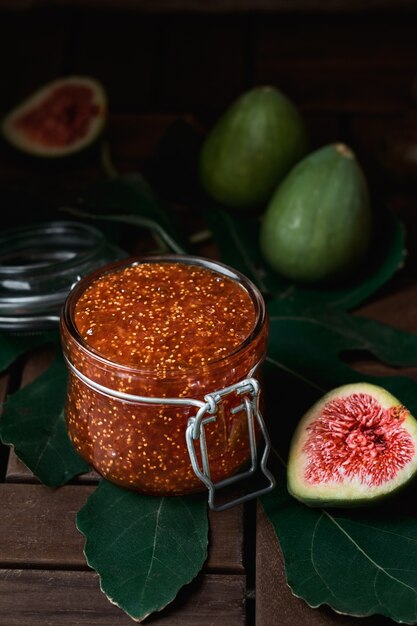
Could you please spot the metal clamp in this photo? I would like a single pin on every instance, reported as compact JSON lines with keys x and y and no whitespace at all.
{"x":249,"y":388}
{"x":207,"y":410}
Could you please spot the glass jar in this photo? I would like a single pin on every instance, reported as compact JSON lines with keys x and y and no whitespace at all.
{"x":39,"y":263}
{"x":131,"y":423}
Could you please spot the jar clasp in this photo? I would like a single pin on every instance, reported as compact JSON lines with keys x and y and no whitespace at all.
{"x":248,"y":389}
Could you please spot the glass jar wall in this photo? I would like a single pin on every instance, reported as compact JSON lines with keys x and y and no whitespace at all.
{"x":170,"y":327}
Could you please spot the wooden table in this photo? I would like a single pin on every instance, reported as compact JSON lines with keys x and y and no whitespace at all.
{"x":44,"y":580}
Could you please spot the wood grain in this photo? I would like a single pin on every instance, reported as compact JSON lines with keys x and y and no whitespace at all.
{"x":37,"y":529}
{"x":37,"y":526}
{"x":226,"y":541}
{"x":222,"y":6}
{"x":17,"y":472}
{"x":200,"y":56}
{"x":72,"y":598}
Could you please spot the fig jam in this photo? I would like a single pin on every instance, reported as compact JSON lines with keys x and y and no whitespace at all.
{"x":159,"y":327}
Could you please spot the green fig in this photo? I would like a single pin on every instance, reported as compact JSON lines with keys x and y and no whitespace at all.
{"x":356,"y":445}
{"x":318,"y":224}
{"x":251,"y":147}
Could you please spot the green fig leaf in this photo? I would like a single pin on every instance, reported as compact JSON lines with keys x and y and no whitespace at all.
{"x":33,"y":422}
{"x":295,"y":337}
{"x":237,"y":237}
{"x":359,"y":563}
{"x":144,"y":548}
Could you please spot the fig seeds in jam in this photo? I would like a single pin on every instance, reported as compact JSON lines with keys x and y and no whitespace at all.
{"x":163,"y":327}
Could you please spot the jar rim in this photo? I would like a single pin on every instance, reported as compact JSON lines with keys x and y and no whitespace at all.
{"x":67,"y":317}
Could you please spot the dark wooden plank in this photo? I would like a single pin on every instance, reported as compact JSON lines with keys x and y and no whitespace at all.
{"x":17,"y":472}
{"x":345,"y":90}
{"x":37,"y":529}
{"x":323,"y":128}
{"x":120,"y":52}
{"x":202,"y":64}
{"x":369,"y":134}
{"x":225,"y":6}
{"x":316,"y":63}
{"x":326,"y":42}
{"x":37,"y":526}
{"x":32,"y":48}
{"x":46,"y":598}
{"x":226,"y":541}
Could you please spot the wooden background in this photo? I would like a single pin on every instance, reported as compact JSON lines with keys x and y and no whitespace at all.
{"x":181,"y":61}
{"x":351,"y":67}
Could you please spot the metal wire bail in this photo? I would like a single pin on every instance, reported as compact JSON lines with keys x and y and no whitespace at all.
{"x":206,"y":413}
{"x":249,"y":389}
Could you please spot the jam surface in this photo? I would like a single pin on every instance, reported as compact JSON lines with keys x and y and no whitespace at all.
{"x":164,"y":316}
{"x":166,"y":330}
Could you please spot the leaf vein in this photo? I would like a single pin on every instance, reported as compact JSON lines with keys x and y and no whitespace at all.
{"x":153,"y":558}
{"x":313,"y":537}
{"x":362,"y":551}
{"x":199,"y":537}
{"x":381,"y":530}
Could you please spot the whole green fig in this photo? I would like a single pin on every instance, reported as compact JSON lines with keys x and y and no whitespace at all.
{"x":318,"y":224}
{"x":251,"y":147}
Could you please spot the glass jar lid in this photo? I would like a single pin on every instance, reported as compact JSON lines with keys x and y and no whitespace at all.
{"x":40,"y":263}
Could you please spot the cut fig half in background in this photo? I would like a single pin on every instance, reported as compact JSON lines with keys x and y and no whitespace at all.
{"x":61,"y":118}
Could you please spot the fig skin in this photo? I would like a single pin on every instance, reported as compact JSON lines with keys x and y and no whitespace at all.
{"x":348,"y":492}
{"x":251,"y":148}
{"x":318,"y":224}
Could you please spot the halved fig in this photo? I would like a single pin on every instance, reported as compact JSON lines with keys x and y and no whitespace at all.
{"x":59,"y":119}
{"x":354,"y":446}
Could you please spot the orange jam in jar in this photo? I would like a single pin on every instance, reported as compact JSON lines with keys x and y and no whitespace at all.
{"x":160,"y":328}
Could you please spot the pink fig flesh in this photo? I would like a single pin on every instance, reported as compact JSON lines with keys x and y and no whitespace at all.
{"x":354,"y":446}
